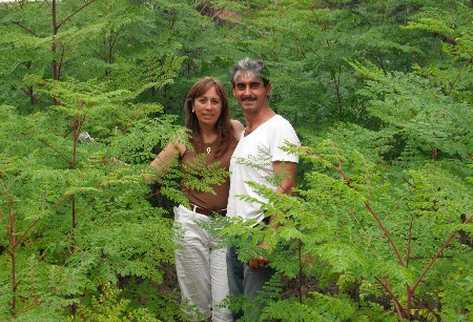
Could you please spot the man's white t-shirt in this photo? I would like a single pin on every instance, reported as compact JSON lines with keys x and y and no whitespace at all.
{"x":252,"y":162}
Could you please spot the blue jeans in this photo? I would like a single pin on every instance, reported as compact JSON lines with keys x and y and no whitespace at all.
{"x":243,"y":280}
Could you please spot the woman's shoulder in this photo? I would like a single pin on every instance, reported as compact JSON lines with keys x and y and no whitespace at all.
{"x":237,"y":128}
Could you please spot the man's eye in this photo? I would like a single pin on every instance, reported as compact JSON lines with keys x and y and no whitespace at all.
{"x":255,"y":85}
{"x":241,"y":86}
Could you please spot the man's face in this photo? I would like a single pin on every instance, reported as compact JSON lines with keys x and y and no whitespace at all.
{"x":250,"y":92}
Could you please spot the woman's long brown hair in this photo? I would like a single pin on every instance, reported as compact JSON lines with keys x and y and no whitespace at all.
{"x":223,"y":126}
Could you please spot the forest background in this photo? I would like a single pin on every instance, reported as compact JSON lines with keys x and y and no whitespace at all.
{"x":381,"y":93}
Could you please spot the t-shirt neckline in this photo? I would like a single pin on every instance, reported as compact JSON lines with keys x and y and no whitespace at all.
{"x":258,"y":127}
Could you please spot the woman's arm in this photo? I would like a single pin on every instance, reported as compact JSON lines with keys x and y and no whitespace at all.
{"x":166,"y":158}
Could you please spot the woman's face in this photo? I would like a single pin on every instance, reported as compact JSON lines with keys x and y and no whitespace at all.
{"x":208,"y":108}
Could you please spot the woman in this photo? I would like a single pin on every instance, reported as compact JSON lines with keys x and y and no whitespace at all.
{"x":200,"y":263}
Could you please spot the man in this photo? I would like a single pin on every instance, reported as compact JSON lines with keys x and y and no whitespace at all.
{"x":265,"y":134}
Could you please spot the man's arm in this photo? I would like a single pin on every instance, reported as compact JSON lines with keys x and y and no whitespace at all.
{"x":286,"y":174}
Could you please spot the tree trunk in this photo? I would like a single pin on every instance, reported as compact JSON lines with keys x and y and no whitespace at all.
{"x":435,"y":154}
{"x":54,"y":43}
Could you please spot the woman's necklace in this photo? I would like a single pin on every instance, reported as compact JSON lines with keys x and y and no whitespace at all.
{"x":208,"y":146}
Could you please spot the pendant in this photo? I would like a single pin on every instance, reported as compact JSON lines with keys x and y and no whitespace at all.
{"x":209,"y":149}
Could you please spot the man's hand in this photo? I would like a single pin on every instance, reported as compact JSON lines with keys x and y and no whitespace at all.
{"x":259,"y":261}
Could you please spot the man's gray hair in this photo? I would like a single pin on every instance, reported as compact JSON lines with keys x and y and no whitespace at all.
{"x":254,"y":66}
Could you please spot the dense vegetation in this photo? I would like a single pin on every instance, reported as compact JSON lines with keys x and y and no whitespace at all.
{"x":381,"y":93}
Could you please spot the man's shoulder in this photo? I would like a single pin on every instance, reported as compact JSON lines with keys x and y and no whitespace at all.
{"x":278,"y":119}
{"x":280,"y":123}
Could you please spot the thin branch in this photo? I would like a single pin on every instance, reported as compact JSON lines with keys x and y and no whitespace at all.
{"x":410,"y":184}
{"x":54,"y":42}
{"x":417,"y":258}
{"x":116,"y":36}
{"x":352,"y":214}
{"x":61,"y":62}
{"x":54,"y":19}
{"x":23,"y":236}
{"x":53,"y":148}
{"x":27,"y":308}
{"x":447,"y":39}
{"x":300,"y":279}
{"x":27,"y":91}
{"x":397,"y":304}
{"x":376,"y":217}
{"x":336,"y":83}
{"x":342,"y":173}
{"x":75,"y":12}
{"x":385,"y":232}
{"x":429,"y":307}
{"x":29,"y":30}
{"x":11,"y":230}
{"x":409,"y":241}
{"x":437,"y":255}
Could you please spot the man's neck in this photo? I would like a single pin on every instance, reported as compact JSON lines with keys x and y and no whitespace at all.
{"x":253,"y":120}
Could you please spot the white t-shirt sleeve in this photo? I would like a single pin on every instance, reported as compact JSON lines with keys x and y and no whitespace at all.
{"x":283,"y":135}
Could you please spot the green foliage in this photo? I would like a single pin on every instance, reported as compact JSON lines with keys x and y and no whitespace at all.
{"x":422,"y":113}
{"x":78,"y":203}
{"x":108,"y":307}
{"x":200,"y":176}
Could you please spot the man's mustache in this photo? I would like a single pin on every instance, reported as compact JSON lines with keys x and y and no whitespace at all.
{"x":248,"y":98}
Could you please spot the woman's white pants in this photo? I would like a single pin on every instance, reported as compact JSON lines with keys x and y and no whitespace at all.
{"x":201,"y":266}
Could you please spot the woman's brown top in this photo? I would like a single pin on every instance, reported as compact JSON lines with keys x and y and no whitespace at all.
{"x":209,"y":200}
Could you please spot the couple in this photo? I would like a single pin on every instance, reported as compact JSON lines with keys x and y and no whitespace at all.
{"x":207,"y":273}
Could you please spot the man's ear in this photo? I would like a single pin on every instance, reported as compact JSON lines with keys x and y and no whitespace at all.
{"x":269,"y":89}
